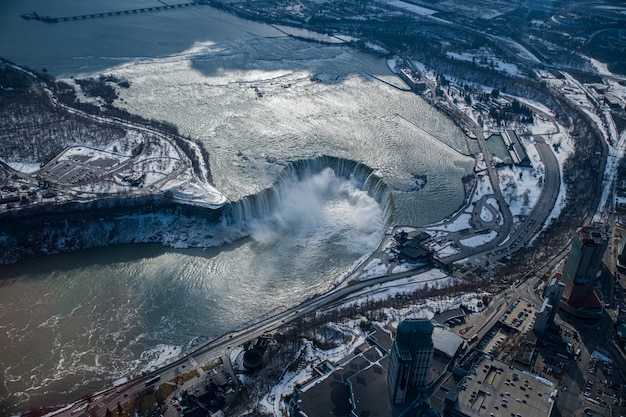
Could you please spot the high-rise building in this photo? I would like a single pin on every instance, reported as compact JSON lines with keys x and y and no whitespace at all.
{"x":582,"y":267}
{"x":552,"y":298}
{"x":621,"y":250}
{"x":410,"y":360}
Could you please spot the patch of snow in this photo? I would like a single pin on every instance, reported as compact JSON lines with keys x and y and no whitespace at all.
{"x":460,"y":223}
{"x":446,"y":250}
{"x":421,"y":67}
{"x":422,"y":11}
{"x":485,"y":58}
{"x":486,"y":215}
{"x":25,"y":167}
{"x":402,"y":268}
{"x":394,"y":63}
{"x":599,"y":66}
{"x":376,"y":268}
{"x":376,"y":48}
{"x":520,"y":188}
{"x":479,"y":240}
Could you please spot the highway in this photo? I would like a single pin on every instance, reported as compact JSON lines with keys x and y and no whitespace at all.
{"x":532,"y":224}
{"x":542,"y":208}
{"x":217,"y":348}
{"x":506,"y":243}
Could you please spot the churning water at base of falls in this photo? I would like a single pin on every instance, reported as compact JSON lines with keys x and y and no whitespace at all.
{"x":73,"y":322}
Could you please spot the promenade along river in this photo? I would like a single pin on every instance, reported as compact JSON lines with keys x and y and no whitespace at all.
{"x":256,"y":98}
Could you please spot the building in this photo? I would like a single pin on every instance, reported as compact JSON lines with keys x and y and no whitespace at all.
{"x":621,"y":333}
{"x":446,"y":343}
{"x":411,"y":357}
{"x":552,"y":297}
{"x":494,"y":388}
{"x":352,"y":387}
{"x":516,"y":148}
{"x":413,"y":251}
{"x":621,"y":248}
{"x":582,"y":267}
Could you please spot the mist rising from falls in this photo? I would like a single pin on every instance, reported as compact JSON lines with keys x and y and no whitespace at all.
{"x":323,"y":206}
{"x":317,"y":202}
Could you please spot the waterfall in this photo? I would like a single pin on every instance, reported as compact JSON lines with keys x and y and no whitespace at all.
{"x":240,"y":213}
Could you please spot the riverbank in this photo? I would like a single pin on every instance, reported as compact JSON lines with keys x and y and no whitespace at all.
{"x":50,"y":229}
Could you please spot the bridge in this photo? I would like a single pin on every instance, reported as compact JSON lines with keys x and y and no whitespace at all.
{"x":50,"y":19}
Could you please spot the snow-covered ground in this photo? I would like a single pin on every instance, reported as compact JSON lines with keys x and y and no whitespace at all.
{"x":521,"y":187}
{"x":484,"y":57}
{"x":589,"y":99}
{"x":88,"y":172}
{"x":305,"y":377}
{"x":479,"y":240}
{"x":375,"y":268}
{"x":419,"y":10}
{"x":142,"y":161}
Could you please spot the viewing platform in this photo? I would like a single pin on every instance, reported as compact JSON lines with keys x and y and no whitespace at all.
{"x":50,"y":19}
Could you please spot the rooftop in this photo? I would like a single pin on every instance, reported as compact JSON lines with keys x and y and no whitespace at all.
{"x":370,"y":392}
{"x":443,"y":316}
{"x":589,"y":235}
{"x":358,"y":384}
{"x":329,"y":396}
{"x":497,"y":388}
{"x":446,"y":342}
{"x":381,"y":338}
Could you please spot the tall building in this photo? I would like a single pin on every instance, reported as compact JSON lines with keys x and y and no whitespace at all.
{"x":410,"y":360}
{"x":582,"y":267}
{"x":621,"y":248}
{"x":551,"y":299}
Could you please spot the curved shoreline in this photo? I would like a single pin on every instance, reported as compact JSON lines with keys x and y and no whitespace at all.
{"x":165,"y":215}
{"x":50,"y":229}
{"x":73,"y":226}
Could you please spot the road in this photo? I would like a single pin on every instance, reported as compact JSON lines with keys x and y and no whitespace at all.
{"x":217,"y":348}
{"x":200,"y":172}
{"x":542,"y":208}
{"x":532,"y":224}
{"x":494,"y":250}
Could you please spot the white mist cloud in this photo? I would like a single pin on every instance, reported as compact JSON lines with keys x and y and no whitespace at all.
{"x":322,"y":209}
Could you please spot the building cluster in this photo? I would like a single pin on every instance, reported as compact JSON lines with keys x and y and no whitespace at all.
{"x":508,"y":147}
{"x":429,"y":370}
{"x":418,"y":373}
{"x":515,"y":147}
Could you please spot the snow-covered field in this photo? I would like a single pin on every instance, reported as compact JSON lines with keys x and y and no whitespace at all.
{"x":484,"y":57}
{"x":413,"y":8}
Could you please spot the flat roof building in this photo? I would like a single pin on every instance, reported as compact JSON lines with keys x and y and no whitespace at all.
{"x":492,"y":388}
{"x":446,"y":343}
{"x":552,"y":297}
{"x":516,"y":148}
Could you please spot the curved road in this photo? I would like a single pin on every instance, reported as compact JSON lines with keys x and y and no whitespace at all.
{"x":219,"y":347}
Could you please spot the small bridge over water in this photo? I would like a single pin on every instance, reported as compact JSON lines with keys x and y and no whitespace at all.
{"x":50,"y":19}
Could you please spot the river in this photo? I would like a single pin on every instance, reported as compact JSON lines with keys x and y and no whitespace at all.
{"x":257,"y":99}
